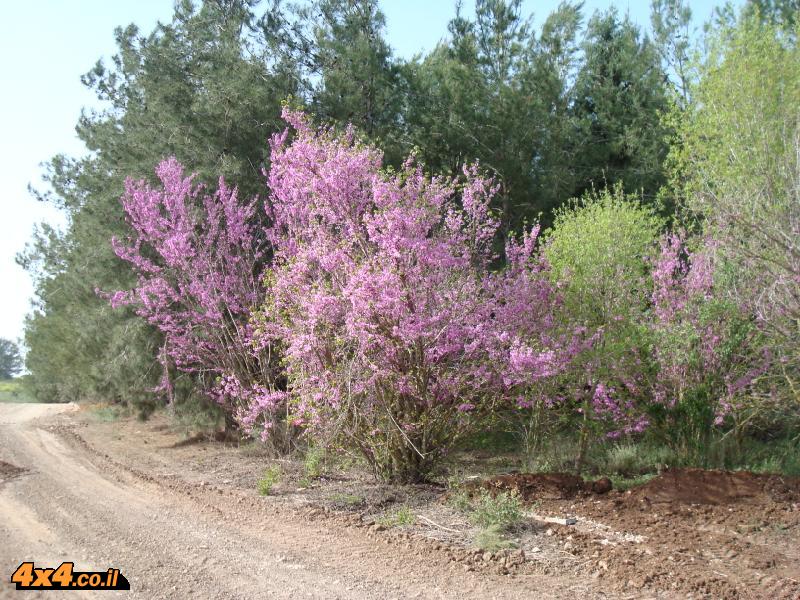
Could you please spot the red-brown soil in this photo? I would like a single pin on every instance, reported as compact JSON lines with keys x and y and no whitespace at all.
{"x":531,"y":487}
{"x":697,"y":486}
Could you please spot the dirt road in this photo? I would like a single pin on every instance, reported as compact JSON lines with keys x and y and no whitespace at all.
{"x":71,"y":501}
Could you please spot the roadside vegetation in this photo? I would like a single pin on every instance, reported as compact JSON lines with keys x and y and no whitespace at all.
{"x":572,"y":249}
{"x":14,"y":390}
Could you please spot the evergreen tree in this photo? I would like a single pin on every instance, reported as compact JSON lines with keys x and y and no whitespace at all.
{"x":347,"y":73}
{"x":10,"y":361}
{"x":619,"y":97}
{"x":202,"y":88}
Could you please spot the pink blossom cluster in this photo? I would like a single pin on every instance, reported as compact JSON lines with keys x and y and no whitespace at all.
{"x":383,"y":295}
{"x":695,"y":331}
{"x":197,"y":261}
{"x":371,"y":306}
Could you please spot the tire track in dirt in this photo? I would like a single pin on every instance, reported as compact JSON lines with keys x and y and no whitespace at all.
{"x":174,"y":540}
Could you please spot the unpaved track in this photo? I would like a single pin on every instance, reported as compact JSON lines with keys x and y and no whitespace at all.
{"x":73,"y":503}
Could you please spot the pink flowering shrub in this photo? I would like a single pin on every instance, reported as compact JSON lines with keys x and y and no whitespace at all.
{"x":397,"y":335}
{"x":198,"y":259}
{"x":708,"y":354}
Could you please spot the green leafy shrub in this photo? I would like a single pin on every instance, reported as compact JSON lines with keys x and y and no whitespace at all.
{"x":272,"y":475}
{"x":313,"y":462}
{"x":501,"y":510}
{"x":598,"y":251}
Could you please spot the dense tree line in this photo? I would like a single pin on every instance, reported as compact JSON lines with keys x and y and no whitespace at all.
{"x":588,"y":106}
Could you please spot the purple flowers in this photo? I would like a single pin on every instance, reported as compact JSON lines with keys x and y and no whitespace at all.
{"x":393,"y":325}
{"x":196,"y":255}
{"x":380,"y":318}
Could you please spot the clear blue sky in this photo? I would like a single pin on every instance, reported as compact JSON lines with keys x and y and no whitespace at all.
{"x":45,"y":47}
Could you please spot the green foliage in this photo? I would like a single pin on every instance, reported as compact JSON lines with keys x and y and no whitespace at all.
{"x":735,"y":167}
{"x":314,"y":462}
{"x":13,"y":390}
{"x":620,"y":93}
{"x":272,"y":475}
{"x":599,"y":250}
{"x":403,"y":516}
{"x":491,"y":539}
{"x":670,"y":21}
{"x":345,"y":65}
{"x":501,"y":510}
{"x":199,"y":88}
{"x":10,"y":361}
{"x":551,"y":114}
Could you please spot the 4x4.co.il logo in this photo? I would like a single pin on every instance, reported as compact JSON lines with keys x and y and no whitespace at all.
{"x":28,"y":577}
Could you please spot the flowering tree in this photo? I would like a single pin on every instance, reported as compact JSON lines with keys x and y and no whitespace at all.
{"x":708,"y":353}
{"x":396,"y":334}
{"x":738,"y":162}
{"x":199,"y":262}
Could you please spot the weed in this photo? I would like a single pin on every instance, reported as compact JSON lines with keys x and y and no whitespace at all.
{"x":630,"y":460}
{"x":313,"y":463}
{"x":106,"y":412}
{"x":557,"y":455}
{"x":625,"y":483}
{"x":502,"y":510}
{"x":253,"y":449}
{"x":492,"y":539}
{"x":271,"y":476}
{"x":347,"y":499}
{"x":458,"y":498}
{"x":402,"y":516}
{"x":460,"y":501}
{"x":623,"y":459}
{"x":195,"y":416}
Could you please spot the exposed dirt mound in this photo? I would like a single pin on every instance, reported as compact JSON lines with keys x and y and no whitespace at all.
{"x":697,"y":486}
{"x":550,"y":486}
{"x":9,"y":471}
